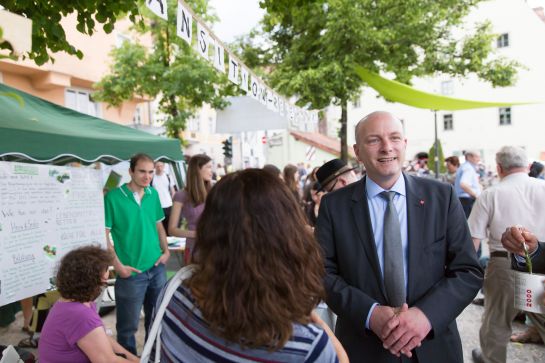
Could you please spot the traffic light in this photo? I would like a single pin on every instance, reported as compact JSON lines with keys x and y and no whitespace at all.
{"x":228,"y":148}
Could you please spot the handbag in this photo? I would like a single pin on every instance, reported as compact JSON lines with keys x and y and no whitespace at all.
{"x":154,"y":336}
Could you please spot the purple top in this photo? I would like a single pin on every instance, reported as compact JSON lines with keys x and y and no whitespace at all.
{"x":190,"y":212}
{"x":66,"y":324}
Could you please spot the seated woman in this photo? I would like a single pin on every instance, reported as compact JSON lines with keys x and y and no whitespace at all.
{"x":73,"y":331}
{"x":257,"y":278}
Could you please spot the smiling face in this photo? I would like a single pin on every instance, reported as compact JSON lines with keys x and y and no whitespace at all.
{"x":380,"y":146}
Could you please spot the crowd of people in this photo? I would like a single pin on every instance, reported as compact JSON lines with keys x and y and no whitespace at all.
{"x":390,"y":250}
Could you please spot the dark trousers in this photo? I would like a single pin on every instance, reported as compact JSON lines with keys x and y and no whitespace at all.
{"x":467,"y":205}
{"x":167,"y":217}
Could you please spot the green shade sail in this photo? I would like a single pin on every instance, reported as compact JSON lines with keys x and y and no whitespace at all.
{"x":398,"y":92}
{"x":41,"y":131}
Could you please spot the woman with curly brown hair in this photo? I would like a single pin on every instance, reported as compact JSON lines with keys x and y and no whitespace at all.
{"x":257,"y":278}
{"x":73,"y":331}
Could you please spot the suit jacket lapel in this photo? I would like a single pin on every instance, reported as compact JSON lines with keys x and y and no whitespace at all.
{"x":416,"y":219}
{"x":362,"y":220}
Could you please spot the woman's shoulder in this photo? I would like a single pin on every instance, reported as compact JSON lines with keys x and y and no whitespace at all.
{"x":181,"y":196}
{"x":314,"y":340}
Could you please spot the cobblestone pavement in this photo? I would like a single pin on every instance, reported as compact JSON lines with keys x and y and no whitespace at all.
{"x":469,"y":323}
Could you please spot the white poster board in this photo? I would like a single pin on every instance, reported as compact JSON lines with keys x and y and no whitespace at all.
{"x":45,"y":211}
{"x":529,"y":292}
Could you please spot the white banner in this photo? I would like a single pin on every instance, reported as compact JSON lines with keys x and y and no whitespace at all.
{"x":281,"y":106}
{"x":263,"y":94}
{"x":254,"y":88}
{"x":45,"y":211}
{"x":219,"y":57}
{"x":270,"y":99}
{"x":233,"y":70}
{"x":203,"y":41}
{"x":244,"y":79}
{"x":158,"y":7}
{"x":184,"y":27}
{"x":258,"y":89}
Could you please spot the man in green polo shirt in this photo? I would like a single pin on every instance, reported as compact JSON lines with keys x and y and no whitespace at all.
{"x":133,"y":216}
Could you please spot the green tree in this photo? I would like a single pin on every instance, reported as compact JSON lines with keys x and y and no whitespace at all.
{"x":314,"y":46}
{"x":171,"y":71}
{"x":431,"y":158}
{"x":47,"y":32}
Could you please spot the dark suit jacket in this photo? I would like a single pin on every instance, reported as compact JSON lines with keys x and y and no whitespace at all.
{"x":444,"y":274}
{"x":538,"y":261}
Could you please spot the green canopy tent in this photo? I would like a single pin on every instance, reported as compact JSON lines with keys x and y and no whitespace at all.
{"x":398,"y":92}
{"x":35,"y":130}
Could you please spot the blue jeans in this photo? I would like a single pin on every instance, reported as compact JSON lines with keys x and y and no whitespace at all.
{"x":130,"y":294}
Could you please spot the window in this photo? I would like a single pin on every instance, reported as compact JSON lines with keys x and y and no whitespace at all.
{"x":137,"y":118}
{"x":503,"y":40}
{"x":81,"y":101}
{"x":448,"y":122}
{"x":211,"y":128}
{"x":505,"y":116}
{"x":194,"y":125}
{"x":447,"y":88}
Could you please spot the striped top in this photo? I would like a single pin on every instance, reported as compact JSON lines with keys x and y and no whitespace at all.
{"x":186,"y":337}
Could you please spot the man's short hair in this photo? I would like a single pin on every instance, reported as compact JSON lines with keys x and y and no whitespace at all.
{"x":510,"y":157}
{"x":472,"y":152}
{"x":422,"y":155}
{"x":136,"y":158}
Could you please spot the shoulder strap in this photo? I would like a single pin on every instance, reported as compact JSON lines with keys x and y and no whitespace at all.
{"x":154,"y":335}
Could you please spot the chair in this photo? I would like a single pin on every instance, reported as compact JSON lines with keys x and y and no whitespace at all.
{"x":154,"y":336}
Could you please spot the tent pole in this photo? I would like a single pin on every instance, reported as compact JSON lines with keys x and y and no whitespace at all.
{"x":436,"y":146}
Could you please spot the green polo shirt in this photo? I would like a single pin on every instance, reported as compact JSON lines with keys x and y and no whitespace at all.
{"x":133,"y":226}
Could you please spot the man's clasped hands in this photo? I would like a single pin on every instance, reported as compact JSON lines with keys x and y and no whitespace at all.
{"x":400,"y":329}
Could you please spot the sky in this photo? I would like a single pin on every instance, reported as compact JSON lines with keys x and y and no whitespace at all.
{"x":536,"y":3}
{"x":237,"y":17}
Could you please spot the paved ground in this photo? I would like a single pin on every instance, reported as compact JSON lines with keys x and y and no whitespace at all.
{"x":468,"y":323}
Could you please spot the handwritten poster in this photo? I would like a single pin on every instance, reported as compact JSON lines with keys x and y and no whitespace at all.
{"x":45,"y":211}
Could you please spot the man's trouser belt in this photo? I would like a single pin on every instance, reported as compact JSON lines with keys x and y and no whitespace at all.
{"x":499,"y":254}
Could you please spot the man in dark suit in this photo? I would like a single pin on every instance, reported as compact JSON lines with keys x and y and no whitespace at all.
{"x":400,"y":262}
{"x":514,"y":238}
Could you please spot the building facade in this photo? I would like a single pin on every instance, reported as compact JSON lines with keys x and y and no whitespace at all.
{"x":68,"y":81}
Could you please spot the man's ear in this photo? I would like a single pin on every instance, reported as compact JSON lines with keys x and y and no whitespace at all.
{"x":355,"y":147}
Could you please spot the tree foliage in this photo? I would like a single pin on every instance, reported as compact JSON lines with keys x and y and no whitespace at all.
{"x":431,"y":158}
{"x":171,"y":71}
{"x":314,"y":46}
{"x":48,"y":35}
